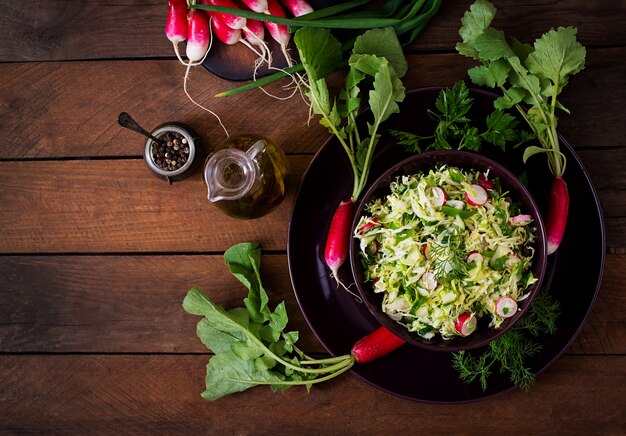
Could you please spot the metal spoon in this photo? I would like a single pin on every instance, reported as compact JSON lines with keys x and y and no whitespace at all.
{"x":127,"y":121}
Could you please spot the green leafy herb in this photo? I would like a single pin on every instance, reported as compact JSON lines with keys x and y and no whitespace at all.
{"x":510,"y":351}
{"x":377,"y":58}
{"x":534,"y":75}
{"x":455,"y":129}
{"x":250,"y":344}
{"x":448,"y":257}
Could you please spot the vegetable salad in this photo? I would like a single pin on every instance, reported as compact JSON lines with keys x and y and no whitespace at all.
{"x":445,"y":244}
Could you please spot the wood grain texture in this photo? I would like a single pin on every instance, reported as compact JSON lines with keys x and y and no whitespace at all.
{"x":70,"y":109}
{"x":132,"y":304}
{"x":161,"y":394}
{"x":118,"y":206}
{"x":62,"y":30}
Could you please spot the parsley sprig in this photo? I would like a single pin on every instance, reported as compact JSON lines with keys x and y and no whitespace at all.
{"x":455,"y":129}
{"x":510,"y":351}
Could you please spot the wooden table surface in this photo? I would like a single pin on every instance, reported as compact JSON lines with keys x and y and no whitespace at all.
{"x":96,"y":254}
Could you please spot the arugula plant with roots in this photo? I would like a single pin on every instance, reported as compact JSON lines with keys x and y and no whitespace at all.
{"x":532,"y":75}
{"x":250,"y":344}
{"x":377,"y":62}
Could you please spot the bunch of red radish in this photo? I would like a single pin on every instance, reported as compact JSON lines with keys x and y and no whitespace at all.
{"x":196,"y":26}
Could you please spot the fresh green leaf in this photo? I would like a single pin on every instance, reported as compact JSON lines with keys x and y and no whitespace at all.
{"x":410,"y":141}
{"x":388,"y":91}
{"x":320,"y":52}
{"x":474,"y":22}
{"x":246,"y":350}
{"x":491,"y":45}
{"x":216,"y":340}
{"x":382,"y":43}
{"x":227,"y":374}
{"x":533,"y":150}
{"x":492,"y":76}
{"x":557,"y":54}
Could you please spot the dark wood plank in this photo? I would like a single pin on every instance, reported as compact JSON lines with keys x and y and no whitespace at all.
{"x":118,"y":206}
{"x":123,"y":304}
{"x":62,"y":30}
{"x":132,"y":304}
{"x":161,"y":394}
{"x":70,"y":108}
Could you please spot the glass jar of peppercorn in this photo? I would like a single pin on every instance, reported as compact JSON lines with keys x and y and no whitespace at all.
{"x":172,"y":157}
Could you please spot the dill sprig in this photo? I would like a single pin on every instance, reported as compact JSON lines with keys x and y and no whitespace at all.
{"x":448,"y":257}
{"x":510,"y":351}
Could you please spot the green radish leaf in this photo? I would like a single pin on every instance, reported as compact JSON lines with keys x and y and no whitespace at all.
{"x":388,"y":91}
{"x":216,"y":340}
{"x":320,"y":52}
{"x":474,"y":22}
{"x":227,"y":374}
{"x":557,"y":54}
{"x":492,"y":45}
{"x":533,"y":150}
{"x":512,"y":97}
{"x":246,"y":350}
{"x":521,"y":49}
{"x":492,"y":76}
{"x":382,"y":43}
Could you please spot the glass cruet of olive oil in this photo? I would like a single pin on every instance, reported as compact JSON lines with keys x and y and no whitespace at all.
{"x":246,"y":176}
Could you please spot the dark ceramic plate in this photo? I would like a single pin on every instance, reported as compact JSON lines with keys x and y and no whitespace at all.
{"x":339,"y":321}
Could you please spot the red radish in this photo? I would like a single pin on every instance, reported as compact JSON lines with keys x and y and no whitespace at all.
{"x":427,"y":250}
{"x":199,"y":37}
{"x":506,"y":307}
{"x":259,"y":6}
{"x":484,"y":182}
{"x":279,"y":32}
{"x":429,"y":281}
{"x":227,"y":35}
{"x":521,"y":219}
{"x":465,"y":324}
{"x":477,"y":196}
{"x":297,"y":7}
{"x":254,"y":32}
{"x":557,"y":214}
{"x":232,"y":21}
{"x":338,"y":239}
{"x":377,"y":344}
{"x":438,"y":196}
{"x":176,"y":24}
{"x":474,"y":256}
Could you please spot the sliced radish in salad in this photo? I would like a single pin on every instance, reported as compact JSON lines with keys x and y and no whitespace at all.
{"x":465,"y":324}
{"x":369,"y":224}
{"x":506,"y":307}
{"x":438,"y":196}
{"x":427,"y":251}
{"x":485,"y":182}
{"x":474,"y":256}
{"x":429,"y":281}
{"x":476,"y":196}
{"x":521,"y":219}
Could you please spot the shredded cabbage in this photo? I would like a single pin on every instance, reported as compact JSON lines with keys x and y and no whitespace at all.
{"x":421,"y":254}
